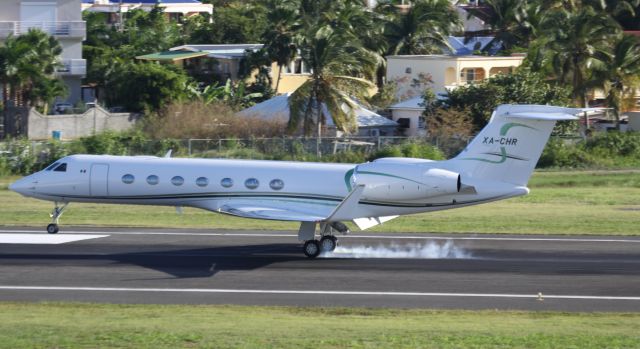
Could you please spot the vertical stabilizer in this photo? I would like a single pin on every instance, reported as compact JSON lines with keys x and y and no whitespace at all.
{"x":509,"y":147}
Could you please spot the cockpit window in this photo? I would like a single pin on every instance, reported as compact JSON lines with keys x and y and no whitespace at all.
{"x":50,"y":167}
{"x":61,"y":168}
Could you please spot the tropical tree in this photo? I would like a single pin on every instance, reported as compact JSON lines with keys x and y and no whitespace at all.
{"x":27,"y":66}
{"x":421,"y":28}
{"x":511,"y":23}
{"x":145,"y":86}
{"x":278,"y":39}
{"x":571,"y":43}
{"x":339,"y":65}
{"x":618,"y":73}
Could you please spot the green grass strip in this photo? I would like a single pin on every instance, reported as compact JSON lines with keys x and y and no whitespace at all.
{"x":77,"y":325}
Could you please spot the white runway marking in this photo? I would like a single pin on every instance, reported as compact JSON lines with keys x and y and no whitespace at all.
{"x":48,"y":239}
{"x":354,"y":236}
{"x":314,"y":292}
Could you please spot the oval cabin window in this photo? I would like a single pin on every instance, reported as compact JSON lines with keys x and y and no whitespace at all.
{"x":153,"y":180}
{"x":128,"y":179}
{"x":226,"y":182}
{"x":202,"y":182}
{"x":276,"y":184}
{"x":177,"y":181}
{"x":251,"y":183}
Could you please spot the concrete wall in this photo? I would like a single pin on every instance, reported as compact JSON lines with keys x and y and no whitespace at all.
{"x":634,"y":120}
{"x":94,"y":120}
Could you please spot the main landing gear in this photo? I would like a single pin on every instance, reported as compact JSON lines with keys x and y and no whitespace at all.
{"x":327,"y":243}
{"x":55,"y":216}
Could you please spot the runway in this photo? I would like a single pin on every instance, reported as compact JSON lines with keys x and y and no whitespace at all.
{"x":132,"y":265}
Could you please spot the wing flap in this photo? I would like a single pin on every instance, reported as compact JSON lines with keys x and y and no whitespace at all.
{"x":266,"y":212}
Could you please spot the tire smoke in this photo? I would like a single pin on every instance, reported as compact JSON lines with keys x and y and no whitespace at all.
{"x":428,"y":250}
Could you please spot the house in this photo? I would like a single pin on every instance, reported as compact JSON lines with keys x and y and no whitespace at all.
{"x":224,"y":62}
{"x":370,"y":124}
{"x":174,"y":9}
{"x":408,"y":115}
{"x":60,"y":18}
{"x":445,"y":71}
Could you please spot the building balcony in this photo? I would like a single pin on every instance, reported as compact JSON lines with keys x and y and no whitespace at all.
{"x":72,"y":67}
{"x":68,"y":29}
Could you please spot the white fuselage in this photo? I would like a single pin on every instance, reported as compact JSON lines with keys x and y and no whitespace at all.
{"x":315,"y":188}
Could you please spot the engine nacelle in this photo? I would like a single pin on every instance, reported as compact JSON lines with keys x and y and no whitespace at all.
{"x":404,"y":181}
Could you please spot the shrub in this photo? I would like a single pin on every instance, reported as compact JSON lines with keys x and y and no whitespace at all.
{"x":410,"y":149}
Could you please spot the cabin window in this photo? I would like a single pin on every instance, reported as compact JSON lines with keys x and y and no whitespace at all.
{"x":128,"y":179}
{"x":177,"y":181}
{"x":226,"y":182}
{"x":202,"y":181}
{"x":276,"y":184}
{"x":153,"y":180}
{"x":251,"y":183}
{"x":61,"y":168}
{"x":50,"y":167}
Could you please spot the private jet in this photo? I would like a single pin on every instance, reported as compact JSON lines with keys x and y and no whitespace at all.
{"x":496,"y":165}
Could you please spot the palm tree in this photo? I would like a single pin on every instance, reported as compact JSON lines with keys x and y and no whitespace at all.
{"x":422,"y":28}
{"x":510,"y":22}
{"x":572,"y":42}
{"x":618,"y":75}
{"x":27,"y":63}
{"x":278,"y":39}
{"x":338,"y":63}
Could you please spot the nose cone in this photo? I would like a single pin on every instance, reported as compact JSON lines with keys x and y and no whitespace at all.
{"x":23,"y":186}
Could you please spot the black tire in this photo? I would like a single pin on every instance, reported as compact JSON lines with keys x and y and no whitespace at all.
{"x":328,"y":243}
{"x":311,"y":248}
{"x":52,"y":228}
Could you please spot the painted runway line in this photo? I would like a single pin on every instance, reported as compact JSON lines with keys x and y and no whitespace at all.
{"x":316,"y":292}
{"x":353,"y":236}
{"x":46,"y":239}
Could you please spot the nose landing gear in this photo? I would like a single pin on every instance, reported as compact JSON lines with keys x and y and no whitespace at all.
{"x":55,"y":216}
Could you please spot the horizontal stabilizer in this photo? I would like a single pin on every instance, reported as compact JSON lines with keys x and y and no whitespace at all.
{"x":542,"y":116}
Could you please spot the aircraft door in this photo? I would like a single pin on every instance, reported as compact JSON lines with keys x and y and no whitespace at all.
{"x":98,"y":183}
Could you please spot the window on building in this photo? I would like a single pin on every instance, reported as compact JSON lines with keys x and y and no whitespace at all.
{"x":472,"y":74}
{"x":297,"y":66}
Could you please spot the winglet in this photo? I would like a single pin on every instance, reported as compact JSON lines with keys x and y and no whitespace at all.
{"x":344,"y":211}
{"x":168,"y":154}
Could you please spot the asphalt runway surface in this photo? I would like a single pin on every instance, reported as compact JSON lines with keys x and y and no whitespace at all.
{"x":183,"y":266}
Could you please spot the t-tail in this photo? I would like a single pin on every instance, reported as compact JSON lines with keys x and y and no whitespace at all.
{"x":508,"y":148}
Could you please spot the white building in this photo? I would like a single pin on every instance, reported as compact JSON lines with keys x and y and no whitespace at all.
{"x":408,"y":115}
{"x":60,"y":18}
{"x":173,"y":8}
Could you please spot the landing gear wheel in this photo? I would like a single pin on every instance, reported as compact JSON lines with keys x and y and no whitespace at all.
{"x":311,"y":248}
{"x":52,"y":228}
{"x":328,"y":243}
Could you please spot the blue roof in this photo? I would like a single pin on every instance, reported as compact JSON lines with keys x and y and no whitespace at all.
{"x":478,"y":43}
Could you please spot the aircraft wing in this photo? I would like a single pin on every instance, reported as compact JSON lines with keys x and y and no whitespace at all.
{"x":283,"y":210}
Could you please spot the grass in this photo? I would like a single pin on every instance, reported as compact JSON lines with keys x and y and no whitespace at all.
{"x":586,"y":202}
{"x":77,"y":325}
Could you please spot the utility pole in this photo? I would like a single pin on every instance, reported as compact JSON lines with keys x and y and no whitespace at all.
{"x":120,"y":21}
